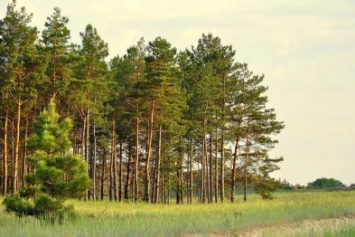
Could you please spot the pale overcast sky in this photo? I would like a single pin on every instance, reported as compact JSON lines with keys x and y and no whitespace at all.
{"x":305,"y":48}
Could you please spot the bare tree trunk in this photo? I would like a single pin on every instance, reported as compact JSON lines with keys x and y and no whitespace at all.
{"x":128,"y":168}
{"x":189,"y":173}
{"x":180,"y":190}
{"x":199,"y":180}
{"x":5,"y":153}
{"x":222,"y":166}
{"x":115,"y":193}
{"x":149,"y":154}
{"x":24,"y":166}
{"x":246,"y":165}
{"x":216,"y":181}
{"x":152,"y":188}
{"x":103,"y":171}
{"x":204,"y":169}
{"x":136,"y":163}
{"x":168,"y":182}
{"x":83,"y":142}
{"x":223,"y":140}
{"x":120,"y":176}
{"x":178,"y":187}
{"x":163,"y":196}
{"x":210,"y":196}
{"x":13,"y":143}
{"x":112,"y":162}
{"x":234,"y":168}
{"x":94,"y":160}
{"x":17,"y":148}
{"x":85,"y":149}
{"x":158,"y":160}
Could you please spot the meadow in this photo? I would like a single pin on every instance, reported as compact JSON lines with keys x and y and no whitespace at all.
{"x":290,"y":209}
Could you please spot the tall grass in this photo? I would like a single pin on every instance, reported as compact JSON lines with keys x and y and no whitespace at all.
{"x":140,"y":219}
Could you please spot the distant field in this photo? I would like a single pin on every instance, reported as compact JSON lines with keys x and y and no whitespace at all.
{"x":286,"y":211}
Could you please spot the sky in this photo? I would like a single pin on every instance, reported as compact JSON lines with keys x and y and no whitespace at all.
{"x":305,"y":49}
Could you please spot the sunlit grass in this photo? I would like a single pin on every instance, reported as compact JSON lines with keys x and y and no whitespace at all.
{"x":344,"y":227}
{"x":105,"y":218}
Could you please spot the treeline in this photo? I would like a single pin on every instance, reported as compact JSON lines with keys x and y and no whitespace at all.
{"x":152,"y":124}
{"x":330,"y":184}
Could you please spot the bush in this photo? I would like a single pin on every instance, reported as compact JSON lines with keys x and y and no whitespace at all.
{"x":324,"y":183}
{"x":265,"y":186}
{"x":52,"y":210}
{"x":16,"y":203}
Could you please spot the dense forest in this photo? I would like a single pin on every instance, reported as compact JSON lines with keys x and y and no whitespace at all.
{"x":151,"y":125}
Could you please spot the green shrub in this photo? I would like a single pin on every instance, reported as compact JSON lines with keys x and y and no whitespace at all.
{"x":16,"y":203}
{"x":56,"y":174}
{"x":326,"y":183}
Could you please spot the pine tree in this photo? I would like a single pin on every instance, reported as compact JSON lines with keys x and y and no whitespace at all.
{"x":89,"y":93}
{"x":21,"y":71}
{"x":55,"y":43}
{"x":207,"y":74}
{"x":55,"y":173}
{"x":127,"y":99}
{"x":252,"y":125}
{"x":163,"y":96}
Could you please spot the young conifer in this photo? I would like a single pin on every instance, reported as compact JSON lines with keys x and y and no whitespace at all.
{"x":55,"y":173}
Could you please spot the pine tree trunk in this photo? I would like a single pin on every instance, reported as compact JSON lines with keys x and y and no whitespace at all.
{"x":103,"y":171}
{"x":5,"y":154}
{"x":112,"y":161}
{"x":17,"y":149}
{"x":178,"y":187}
{"x":75,"y":140}
{"x":87,"y":156}
{"x":216,"y":181}
{"x":136,"y":163}
{"x":120,"y":175}
{"x":168,"y":182}
{"x":83,"y":153}
{"x":115,"y":192}
{"x":204,"y":169}
{"x":199,"y":180}
{"x":210,"y":182}
{"x":223,"y":140}
{"x":234,"y":168}
{"x":128,"y":169}
{"x":149,"y":154}
{"x":246,"y":167}
{"x":94,"y":159}
{"x":222,"y":166}
{"x":157,"y":182}
{"x":83,"y":143}
{"x":180,"y":190}
{"x":189,"y":174}
{"x":24,"y":166}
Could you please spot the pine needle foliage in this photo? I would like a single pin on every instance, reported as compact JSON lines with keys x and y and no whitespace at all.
{"x":55,"y":173}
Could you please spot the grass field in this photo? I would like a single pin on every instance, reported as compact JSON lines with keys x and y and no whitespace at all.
{"x":140,"y":219}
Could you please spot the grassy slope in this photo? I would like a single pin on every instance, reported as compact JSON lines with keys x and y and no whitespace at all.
{"x":129,"y":219}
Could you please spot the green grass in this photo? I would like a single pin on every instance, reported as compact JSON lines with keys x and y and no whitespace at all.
{"x":139,"y":219}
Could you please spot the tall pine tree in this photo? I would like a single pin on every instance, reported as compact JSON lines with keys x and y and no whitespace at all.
{"x":21,"y":73}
